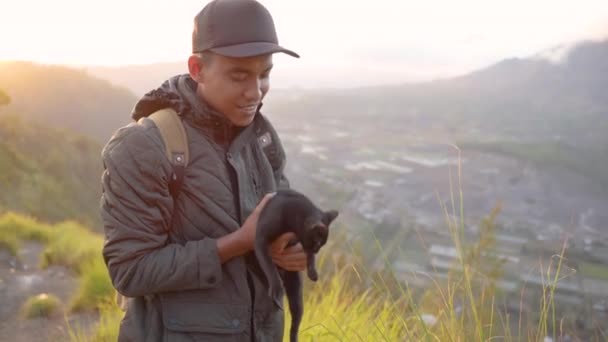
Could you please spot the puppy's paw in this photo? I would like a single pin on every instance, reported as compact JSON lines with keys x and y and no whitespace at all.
{"x":312,"y":274}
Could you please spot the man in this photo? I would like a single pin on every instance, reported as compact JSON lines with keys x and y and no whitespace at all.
{"x":185,"y":261}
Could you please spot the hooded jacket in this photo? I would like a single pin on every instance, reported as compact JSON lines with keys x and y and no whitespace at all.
{"x":161,"y":251}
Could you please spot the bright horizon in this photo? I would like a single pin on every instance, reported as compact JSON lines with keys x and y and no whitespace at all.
{"x":371,"y":42}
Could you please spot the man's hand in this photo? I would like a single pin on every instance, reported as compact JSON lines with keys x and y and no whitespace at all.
{"x":242,"y":240}
{"x":250,"y":226}
{"x":288,"y":258}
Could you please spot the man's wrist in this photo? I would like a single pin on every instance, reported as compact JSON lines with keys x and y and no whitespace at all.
{"x":241,"y":241}
{"x":232,"y":245}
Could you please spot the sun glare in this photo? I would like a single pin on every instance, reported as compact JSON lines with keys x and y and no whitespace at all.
{"x":413,"y":34}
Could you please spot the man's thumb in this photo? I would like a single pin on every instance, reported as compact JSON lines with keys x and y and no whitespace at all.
{"x":286,"y":238}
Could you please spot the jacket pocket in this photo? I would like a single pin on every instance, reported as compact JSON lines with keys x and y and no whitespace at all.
{"x":195,"y":316}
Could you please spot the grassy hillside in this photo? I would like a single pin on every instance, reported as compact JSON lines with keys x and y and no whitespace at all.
{"x":66,"y":98}
{"x":72,"y":246}
{"x":350,"y":301}
{"x":49,"y":173}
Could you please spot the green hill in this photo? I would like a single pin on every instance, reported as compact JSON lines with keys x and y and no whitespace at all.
{"x":363,"y":303}
{"x":49,"y":173}
{"x":66,"y":98}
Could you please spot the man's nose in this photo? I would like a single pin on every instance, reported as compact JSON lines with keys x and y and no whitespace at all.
{"x":253,"y":92}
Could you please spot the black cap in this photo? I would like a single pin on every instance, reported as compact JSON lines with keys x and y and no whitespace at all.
{"x":236,"y":28}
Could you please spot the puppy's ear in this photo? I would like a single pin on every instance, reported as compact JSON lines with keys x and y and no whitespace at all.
{"x":329,"y":216}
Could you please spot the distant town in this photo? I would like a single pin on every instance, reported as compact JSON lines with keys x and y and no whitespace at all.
{"x":400,"y":189}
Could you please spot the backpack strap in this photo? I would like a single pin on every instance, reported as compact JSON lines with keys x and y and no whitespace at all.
{"x":174,"y":136}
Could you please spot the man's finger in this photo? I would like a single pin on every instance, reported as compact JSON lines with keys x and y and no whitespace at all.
{"x":297,"y":248}
{"x":291,"y":265}
{"x":285,"y":238}
{"x":279,"y":244}
{"x":290,"y":257}
{"x":268,"y":196}
{"x":283,"y":242}
{"x":264,"y":200}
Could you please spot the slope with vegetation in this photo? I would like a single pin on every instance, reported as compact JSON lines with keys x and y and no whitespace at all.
{"x":66,"y":98}
{"x":49,"y":173}
{"x":68,"y":245}
{"x":350,"y":301}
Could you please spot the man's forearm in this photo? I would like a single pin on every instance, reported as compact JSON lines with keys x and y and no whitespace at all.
{"x":232,"y":245}
{"x":242,"y":240}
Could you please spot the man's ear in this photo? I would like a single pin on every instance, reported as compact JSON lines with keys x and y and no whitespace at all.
{"x":329,"y":216}
{"x":195,"y":68}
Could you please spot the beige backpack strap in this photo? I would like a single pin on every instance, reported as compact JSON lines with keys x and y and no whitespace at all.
{"x":176,"y":144}
{"x":174,"y":135}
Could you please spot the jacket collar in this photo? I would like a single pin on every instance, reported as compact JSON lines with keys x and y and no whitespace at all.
{"x":179,"y":93}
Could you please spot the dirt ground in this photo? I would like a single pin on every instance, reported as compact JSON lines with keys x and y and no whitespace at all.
{"x":21,"y":278}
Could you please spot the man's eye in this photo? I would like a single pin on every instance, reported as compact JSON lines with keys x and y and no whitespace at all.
{"x":265,"y":75}
{"x":238,"y":77}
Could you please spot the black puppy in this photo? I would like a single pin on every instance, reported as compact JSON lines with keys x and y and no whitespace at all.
{"x":291,"y":211}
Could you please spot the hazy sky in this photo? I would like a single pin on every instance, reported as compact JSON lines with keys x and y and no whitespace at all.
{"x":343,"y":41}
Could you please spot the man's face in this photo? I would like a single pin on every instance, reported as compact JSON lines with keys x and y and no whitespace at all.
{"x":234,"y":86}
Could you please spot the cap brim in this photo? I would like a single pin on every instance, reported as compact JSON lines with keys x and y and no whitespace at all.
{"x":252,"y":49}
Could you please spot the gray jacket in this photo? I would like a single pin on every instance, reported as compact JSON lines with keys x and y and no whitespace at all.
{"x":164,"y":254}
